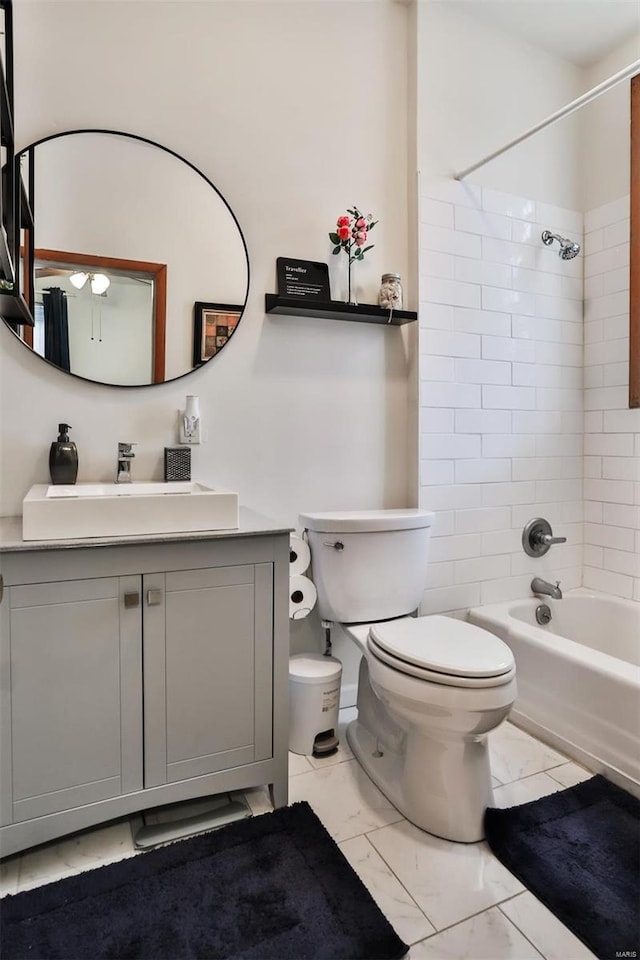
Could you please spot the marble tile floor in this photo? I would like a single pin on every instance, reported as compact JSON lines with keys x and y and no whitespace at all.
{"x":449,"y":901}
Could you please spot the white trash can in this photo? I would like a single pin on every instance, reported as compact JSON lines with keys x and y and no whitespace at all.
{"x":314,"y":702}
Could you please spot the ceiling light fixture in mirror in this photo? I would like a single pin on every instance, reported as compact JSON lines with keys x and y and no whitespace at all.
{"x":120,"y":208}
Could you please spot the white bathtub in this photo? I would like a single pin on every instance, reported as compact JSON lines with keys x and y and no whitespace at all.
{"x":578,"y":677}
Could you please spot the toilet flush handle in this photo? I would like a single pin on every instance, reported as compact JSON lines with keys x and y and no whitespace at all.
{"x":336,"y":544}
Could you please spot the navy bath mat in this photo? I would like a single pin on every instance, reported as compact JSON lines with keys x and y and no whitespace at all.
{"x":274,"y":887}
{"x":578,"y":851}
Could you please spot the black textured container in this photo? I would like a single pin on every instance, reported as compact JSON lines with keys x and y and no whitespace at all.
{"x":177,"y":463}
{"x":63,"y":457}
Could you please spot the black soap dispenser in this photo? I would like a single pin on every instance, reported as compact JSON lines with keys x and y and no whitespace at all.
{"x":63,"y":457}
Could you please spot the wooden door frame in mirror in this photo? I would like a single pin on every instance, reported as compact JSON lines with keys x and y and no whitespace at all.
{"x":156,"y":271}
{"x":634,"y":249}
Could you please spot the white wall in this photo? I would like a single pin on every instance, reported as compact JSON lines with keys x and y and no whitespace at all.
{"x":479,"y":88}
{"x":605,"y":126}
{"x":274,"y":104}
{"x":295,"y":111}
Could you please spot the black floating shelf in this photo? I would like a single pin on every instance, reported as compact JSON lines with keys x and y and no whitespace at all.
{"x":336,"y":310}
{"x":15,"y":309}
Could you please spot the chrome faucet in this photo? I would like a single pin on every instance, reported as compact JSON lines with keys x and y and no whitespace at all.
{"x":125,"y":456}
{"x":538,"y":585}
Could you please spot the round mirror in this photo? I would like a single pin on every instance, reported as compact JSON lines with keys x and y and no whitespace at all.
{"x":137,"y":272}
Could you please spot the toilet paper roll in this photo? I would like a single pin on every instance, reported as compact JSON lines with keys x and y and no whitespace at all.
{"x":302,"y":597}
{"x":299,"y":555}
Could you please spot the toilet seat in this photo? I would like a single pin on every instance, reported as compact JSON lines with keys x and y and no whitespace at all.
{"x":442,"y":650}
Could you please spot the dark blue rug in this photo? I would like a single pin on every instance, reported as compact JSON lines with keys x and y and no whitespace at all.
{"x":578,"y":851}
{"x":274,"y":887}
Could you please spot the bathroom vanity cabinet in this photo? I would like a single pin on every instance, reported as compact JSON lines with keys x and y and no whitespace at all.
{"x":139,"y":673}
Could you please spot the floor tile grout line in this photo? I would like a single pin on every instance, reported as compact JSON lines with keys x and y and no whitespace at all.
{"x":528,"y":776}
{"x":537,"y":773}
{"x":519,"y":928}
{"x":498,"y":903}
{"x":463,"y":919}
{"x":556,"y":765}
{"x":575,"y":763}
{"x":590,"y":773}
{"x":478,"y":913}
{"x":366,"y":833}
{"x":395,"y":875}
{"x":333,"y":763}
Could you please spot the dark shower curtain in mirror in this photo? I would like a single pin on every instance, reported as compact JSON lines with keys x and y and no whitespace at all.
{"x":56,"y":327}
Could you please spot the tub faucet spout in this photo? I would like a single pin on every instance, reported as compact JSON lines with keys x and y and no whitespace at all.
{"x":538,"y":585}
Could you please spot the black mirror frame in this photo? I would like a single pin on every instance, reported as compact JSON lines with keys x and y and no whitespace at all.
{"x":30,"y":280}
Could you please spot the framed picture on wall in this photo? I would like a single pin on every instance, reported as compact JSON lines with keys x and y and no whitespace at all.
{"x":213,"y":324}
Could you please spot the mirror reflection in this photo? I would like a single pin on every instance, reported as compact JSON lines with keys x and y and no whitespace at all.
{"x":108,"y":314}
{"x":129,"y":239}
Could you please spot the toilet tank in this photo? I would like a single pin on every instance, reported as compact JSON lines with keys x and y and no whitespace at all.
{"x":368,"y":565}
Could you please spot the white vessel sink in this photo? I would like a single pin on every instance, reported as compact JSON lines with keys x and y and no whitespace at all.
{"x":69,"y":512}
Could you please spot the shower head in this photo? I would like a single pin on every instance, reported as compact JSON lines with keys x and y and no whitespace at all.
{"x":568,"y":248}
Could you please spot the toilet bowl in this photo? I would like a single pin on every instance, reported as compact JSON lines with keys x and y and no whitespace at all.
{"x":423,"y":738}
{"x":430,"y":689}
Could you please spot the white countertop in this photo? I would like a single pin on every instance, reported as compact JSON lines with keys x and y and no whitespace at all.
{"x":251,"y":524}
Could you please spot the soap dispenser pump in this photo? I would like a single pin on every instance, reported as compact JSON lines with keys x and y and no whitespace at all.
{"x":63,"y":457}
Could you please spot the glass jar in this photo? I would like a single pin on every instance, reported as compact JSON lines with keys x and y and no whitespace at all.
{"x":390,"y":296}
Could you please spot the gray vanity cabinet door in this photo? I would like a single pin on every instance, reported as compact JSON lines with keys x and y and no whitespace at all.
{"x":74,"y":698}
{"x":208,"y":659}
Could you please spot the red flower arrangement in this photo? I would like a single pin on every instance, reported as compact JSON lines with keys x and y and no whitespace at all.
{"x":351,"y":235}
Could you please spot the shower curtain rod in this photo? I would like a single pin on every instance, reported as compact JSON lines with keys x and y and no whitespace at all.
{"x":587,"y":97}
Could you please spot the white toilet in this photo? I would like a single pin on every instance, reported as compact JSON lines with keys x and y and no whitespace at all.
{"x":430,"y":688}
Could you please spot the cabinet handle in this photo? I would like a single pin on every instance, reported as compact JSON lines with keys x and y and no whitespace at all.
{"x":131,"y":600}
{"x":1,"y":587}
{"x":154,"y":597}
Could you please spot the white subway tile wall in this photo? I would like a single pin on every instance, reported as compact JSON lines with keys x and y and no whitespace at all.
{"x":501,"y":401}
{"x":524,"y":376}
{"x":612,"y":430}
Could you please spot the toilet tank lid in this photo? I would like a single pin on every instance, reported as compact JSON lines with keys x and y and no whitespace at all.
{"x":366,"y":521}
